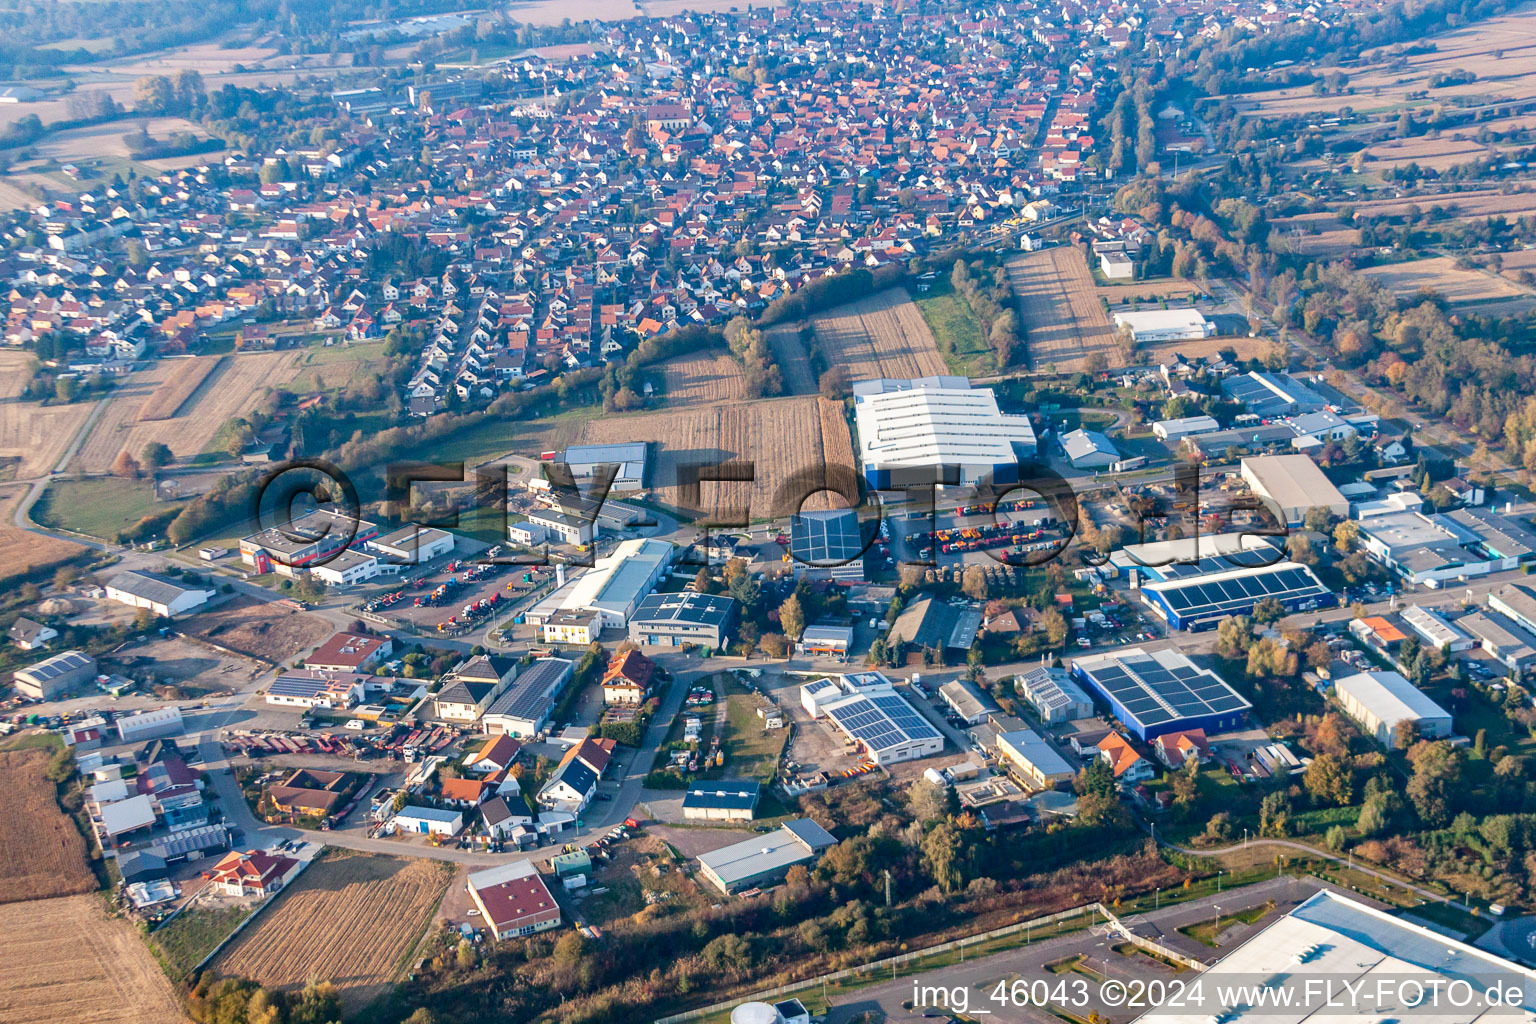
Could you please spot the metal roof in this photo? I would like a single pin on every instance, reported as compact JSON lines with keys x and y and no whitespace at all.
{"x":1236,"y":591}
{"x":58,"y":665}
{"x":935,"y":421}
{"x":880,"y":718}
{"x":685,"y":607}
{"x":532,"y":694}
{"x":1389,"y":696}
{"x":724,"y":794}
{"x":1330,"y":937}
{"x":1157,"y":687}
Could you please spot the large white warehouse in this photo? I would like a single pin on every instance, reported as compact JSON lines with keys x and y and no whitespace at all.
{"x":937,"y":421}
{"x":1153,"y":326}
{"x":1381,"y":700}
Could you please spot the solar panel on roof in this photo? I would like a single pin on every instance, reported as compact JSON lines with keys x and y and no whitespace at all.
{"x":1155,"y":693}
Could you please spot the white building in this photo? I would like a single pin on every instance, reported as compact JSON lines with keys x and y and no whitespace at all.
{"x":149,"y":725}
{"x":1300,"y":960}
{"x":413,"y":545}
{"x":571,"y":529}
{"x":160,"y":594}
{"x":1117,"y":266}
{"x":937,"y":421}
{"x":347,"y":569}
{"x":1436,"y":631}
{"x":628,"y":460}
{"x":428,"y":821}
{"x":1053,"y":694}
{"x":876,"y":719}
{"x":1155,"y":326}
{"x":1187,"y":426}
{"x":1295,"y":484}
{"x":1379,"y":701}
{"x":615,"y":585}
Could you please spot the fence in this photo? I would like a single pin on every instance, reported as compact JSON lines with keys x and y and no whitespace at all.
{"x":864,"y":970}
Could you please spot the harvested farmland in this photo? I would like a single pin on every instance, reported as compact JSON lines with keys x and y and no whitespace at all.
{"x":1064,"y":321}
{"x":176,"y":389}
{"x":42,"y":853}
{"x":36,"y":436}
{"x":790,"y":443}
{"x":883,"y":335}
{"x":22,"y":551}
{"x":67,"y":962}
{"x":234,"y":386}
{"x":703,"y":378}
{"x":1441,"y":275}
{"x":350,"y":918}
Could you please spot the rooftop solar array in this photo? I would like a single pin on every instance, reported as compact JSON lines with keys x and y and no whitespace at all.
{"x":881,"y":721}
{"x":1236,"y":592}
{"x":826,"y":538}
{"x":532,"y":694}
{"x":1160,"y":691}
{"x":289,"y":686}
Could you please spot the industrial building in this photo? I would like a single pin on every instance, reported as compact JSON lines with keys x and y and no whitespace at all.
{"x":615,"y":585}
{"x":764,"y":860}
{"x":974,"y":708}
{"x":1157,"y":692}
{"x":1435,"y":630}
{"x":1301,"y":960}
{"x":1517,"y":601}
{"x":1380,"y":701}
{"x":162,"y":595}
{"x":1194,"y":603}
{"x":1174,"y":431}
{"x":834,"y":641}
{"x":523,"y":707}
{"x":1034,"y":761}
{"x":1430,"y":550}
{"x":628,"y":460}
{"x":297,"y":545}
{"x":1053,"y":694}
{"x":1200,"y":555}
{"x":53,"y":676}
{"x":722,"y":800}
{"x":880,"y":722}
{"x":1273,"y":395}
{"x":150,"y":725}
{"x":832,"y":540}
{"x":349,"y":568}
{"x":1294,"y":484}
{"x":412,"y":545}
{"x":571,"y":529}
{"x":933,"y":623}
{"x":671,"y":620}
{"x":1089,"y":449}
{"x":513,"y":900}
{"x":429,"y":821}
{"x":1504,"y":639}
{"x":921,"y":424}
{"x":1156,"y":326}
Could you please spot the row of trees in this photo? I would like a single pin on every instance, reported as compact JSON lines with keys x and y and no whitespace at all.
{"x":992,"y":306}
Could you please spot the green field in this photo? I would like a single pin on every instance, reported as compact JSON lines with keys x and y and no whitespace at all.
{"x":191,"y":935}
{"x":957,"y":332}
{"x":751,"y":751}
{"x":98,"y":507}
